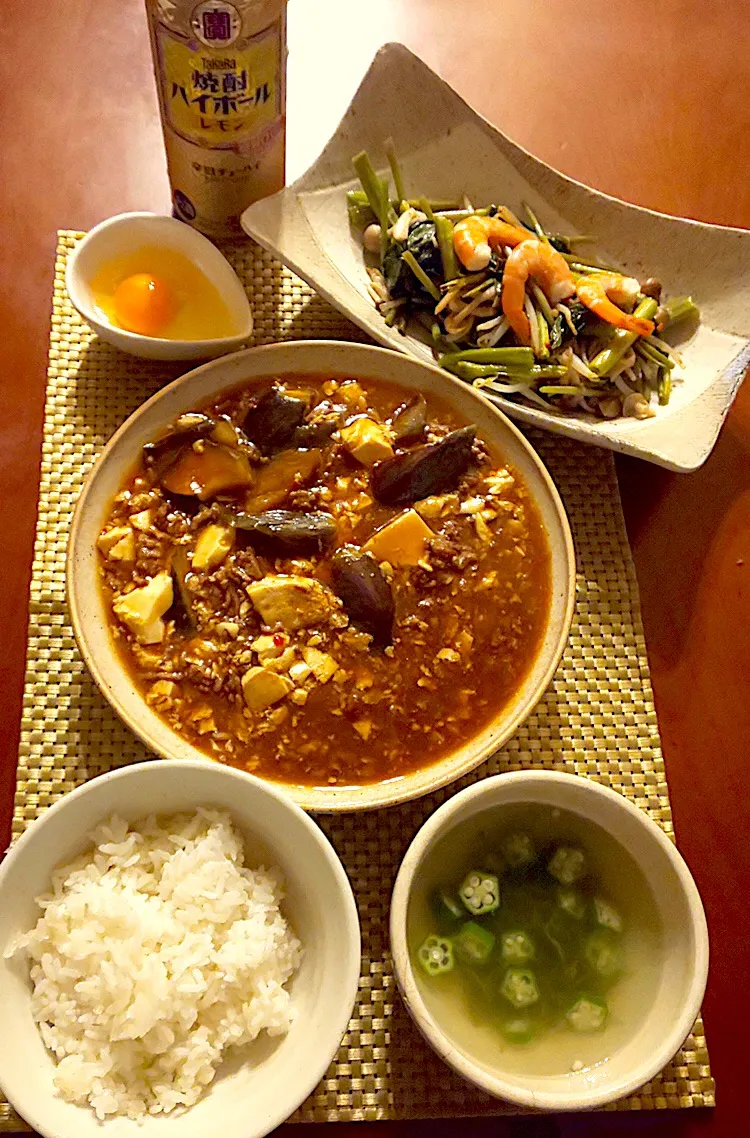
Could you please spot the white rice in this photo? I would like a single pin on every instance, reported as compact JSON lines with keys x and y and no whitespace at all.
{"x":156,"y":951}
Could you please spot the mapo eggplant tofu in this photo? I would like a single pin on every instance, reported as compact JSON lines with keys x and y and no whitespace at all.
{"x":326,"y":580}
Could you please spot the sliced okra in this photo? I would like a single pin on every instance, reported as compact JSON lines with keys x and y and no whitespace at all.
{"x":480,"y":892}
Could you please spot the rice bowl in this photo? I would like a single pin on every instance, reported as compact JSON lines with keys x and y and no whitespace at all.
{"x":156,"y":952}
{"x":258,"y":1085}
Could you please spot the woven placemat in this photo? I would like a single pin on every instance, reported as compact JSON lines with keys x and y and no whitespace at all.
{"x":597,"y":718}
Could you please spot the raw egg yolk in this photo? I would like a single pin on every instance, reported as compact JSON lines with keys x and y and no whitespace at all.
{"x":144,"y":304}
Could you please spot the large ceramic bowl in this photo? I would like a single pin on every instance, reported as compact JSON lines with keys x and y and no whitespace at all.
{"x":252,"y":1092}
{"x":447,"y":150}
{"x":678,"y":952}
{"x":89,"y":614}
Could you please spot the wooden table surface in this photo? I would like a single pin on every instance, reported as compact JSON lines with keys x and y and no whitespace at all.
{"x":647,"y":101}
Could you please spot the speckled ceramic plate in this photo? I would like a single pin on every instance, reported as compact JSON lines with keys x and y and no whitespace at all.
{"x":447,"y":149}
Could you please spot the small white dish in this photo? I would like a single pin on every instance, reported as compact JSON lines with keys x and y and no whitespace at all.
{"x":683,"y":951}
{"x":127,"y":231}
{"x":250,"y":1097}
{"x":447,"y":150}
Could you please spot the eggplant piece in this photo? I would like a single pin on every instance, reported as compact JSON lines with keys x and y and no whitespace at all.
{"x":207,"y":472}
{"x":434,"y":468}
{"x":286,"y":531}
{"x":409,"y":421}
{"x":359,"y":582}
{"x":314,"y":434}
{"x":161,"y":453}
{"x":272,"y":420}
{"x":287,"y":471}
{"x":181,"y":610}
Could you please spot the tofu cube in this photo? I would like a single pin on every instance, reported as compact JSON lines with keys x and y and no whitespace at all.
{"x":142,"y":609}
{"x":292,"y":602}
{"x":124,"y":549}
{"x":299,"y":672}
{"x":266,"y":648}
{"x":353,"y":395}
{"x":438,"y":506}
{"x":464,"y":642}
{"x":363,"y":727}
{"x":320,"y":663}
{"x":141,"y":520}
{"x":280,"y":663}
{"x":213,"y":544}
{"x":402,"y":541}
{"x":261,"y":688}
{"x":366,"y":441}
{"x":107,"y":541}
{"x":162,"y":695}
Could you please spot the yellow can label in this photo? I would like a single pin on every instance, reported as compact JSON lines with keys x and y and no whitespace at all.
{"x":219,"y":98}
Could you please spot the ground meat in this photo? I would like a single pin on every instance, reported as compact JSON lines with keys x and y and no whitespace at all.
{"x":304,"y":499}
{"x":448,"y":550}
{"x":246,"y":567}
{"x":205,"y":515}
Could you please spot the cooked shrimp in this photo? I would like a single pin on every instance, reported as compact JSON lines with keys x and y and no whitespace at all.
{"x":595,"y":292}
{"x":476,"y":236}
{"x":537,"y":259}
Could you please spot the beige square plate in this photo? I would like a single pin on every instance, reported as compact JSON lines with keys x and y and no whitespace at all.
{"x":446,"y":149}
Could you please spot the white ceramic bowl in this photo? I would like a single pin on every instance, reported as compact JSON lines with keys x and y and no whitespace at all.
{"x":683,"y":951}
{"x":247,"y":1099}
{"x":121,"y":234}
{"x":89,"y":611}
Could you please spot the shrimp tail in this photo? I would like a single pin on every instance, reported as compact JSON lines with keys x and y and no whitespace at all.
{"x":593,"y":293}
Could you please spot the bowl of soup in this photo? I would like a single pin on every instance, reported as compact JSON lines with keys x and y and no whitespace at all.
{"x":324,"y":564}
{"x":548,"y":940}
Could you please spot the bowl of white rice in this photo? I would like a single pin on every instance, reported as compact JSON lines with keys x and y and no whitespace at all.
{"x":179,"y":953}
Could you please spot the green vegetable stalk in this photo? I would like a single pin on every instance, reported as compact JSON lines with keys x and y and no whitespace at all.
{"x":664,"y":388}
{"x":622,"y":341}
{"x":534,"y":221}
{"x":543,"y":304}
{"x":502,"y":357}
{"x":377,"y":195}
{"x":469,"y":371}
{"x":372,"y":186}
{"x":680,"y":308}
{"x":649,"y":352}
{"x":393,"y":162}
{"x":444,"y":234}
{"x":359,"y":209}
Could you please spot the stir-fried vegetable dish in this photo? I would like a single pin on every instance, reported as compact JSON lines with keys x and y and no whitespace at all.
{"x":536,"y":944}
{"x":325,"y":580}
{"x":512,"y":308}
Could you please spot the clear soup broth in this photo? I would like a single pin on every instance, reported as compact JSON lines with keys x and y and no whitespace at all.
{"x":468,"y":1001}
